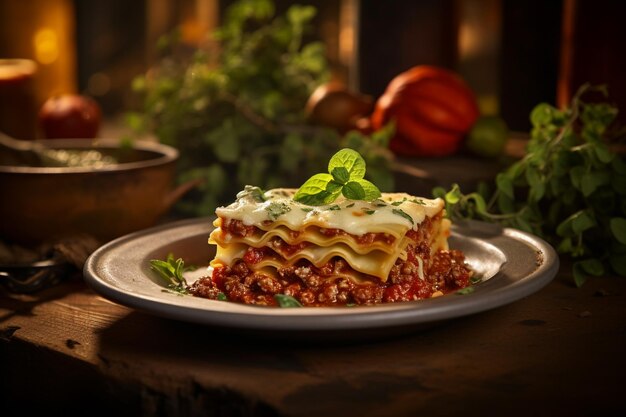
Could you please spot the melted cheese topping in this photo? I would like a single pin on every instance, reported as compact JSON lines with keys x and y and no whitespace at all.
{"x":355,"y":217}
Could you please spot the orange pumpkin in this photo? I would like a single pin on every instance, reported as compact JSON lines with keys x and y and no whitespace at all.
{"x":433,"y":110}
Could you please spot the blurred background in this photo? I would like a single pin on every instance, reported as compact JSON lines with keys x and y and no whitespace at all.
{"x":513,"y":54}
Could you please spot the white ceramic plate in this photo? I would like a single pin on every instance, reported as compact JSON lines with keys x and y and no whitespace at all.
{"x":512,"y":265}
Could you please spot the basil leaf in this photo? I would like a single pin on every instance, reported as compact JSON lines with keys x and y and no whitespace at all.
{"x":618,"y":228}
{"x":590,"y":182}
{"x":583,"y":222}
{"x":346,"y":169}
{"x":316,"y":199}
{"x":286,"y":301}
{"x":593,"y":267}
{"x":353,"y":191}
{"x":579,"y":274}
{"x":333,"y":190}
{"x":371,"y":191}
{"x":603,"y":153}
{"x":505,"y":185}
{"x":350,"y":160}
{"x":340,"y":174}
{"x":313,"y":191}
{"x":171,"y":271}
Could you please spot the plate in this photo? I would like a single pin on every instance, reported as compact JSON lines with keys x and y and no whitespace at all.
{"x":511,"y":264}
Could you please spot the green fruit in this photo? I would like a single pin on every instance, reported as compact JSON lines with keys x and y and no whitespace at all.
{"x":487,"y":137}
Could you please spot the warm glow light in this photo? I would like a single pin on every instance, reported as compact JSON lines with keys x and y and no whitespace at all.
{"x":191,"y":31}
{"x":348,"y":40}
{"x":469,"y":40}
{"x":46,"y":46}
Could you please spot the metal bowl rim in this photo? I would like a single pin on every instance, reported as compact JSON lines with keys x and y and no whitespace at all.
{"x":167,"y":154}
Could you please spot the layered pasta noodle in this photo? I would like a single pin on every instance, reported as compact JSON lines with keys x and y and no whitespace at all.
{"x":349,"y":252}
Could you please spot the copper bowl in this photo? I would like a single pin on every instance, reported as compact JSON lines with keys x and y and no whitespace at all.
{"x":39,"y":204}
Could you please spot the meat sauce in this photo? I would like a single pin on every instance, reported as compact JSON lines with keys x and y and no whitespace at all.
{"x":325,"y":286}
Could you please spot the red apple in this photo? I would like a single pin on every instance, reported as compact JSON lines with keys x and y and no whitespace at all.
{"x":70,"y":116}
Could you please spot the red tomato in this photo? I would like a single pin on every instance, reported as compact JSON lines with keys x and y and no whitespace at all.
{"x":433,"y":110}
{"x":70,"y":116}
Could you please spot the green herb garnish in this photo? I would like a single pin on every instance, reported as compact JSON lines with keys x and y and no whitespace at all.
{"x":171,"y":271}
{"x":254,"y":193}
{"x":275,"y":209}
{"x":286,"y":301}
{"x":307,"y":209}
{"x":414,"y":200}
{"x":465,"y":291}
{"x":222,"y":297}
{"x":334,"y":207}
{"x":368,"y":211}
{"x":569,"y":188}
{"x":402,"y":213}
{"x":346,"y":172}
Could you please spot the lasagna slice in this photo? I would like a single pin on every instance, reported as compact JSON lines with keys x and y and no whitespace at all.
{"x":349,"y":252}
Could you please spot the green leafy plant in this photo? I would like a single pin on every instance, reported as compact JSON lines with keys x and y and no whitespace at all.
{"x":570,"y":188}
{"x":237,"y":112}
{"x":171,"y":272}
{"x":346,"y":172}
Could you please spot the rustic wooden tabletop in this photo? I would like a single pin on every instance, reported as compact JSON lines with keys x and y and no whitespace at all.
{"x":561,"y":351}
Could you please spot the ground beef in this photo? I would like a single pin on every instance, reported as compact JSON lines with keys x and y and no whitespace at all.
{"x":314,"y":286}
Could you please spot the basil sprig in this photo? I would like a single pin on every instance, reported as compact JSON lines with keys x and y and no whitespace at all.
{"x":346,"y":172}
{"x":171,"y":271}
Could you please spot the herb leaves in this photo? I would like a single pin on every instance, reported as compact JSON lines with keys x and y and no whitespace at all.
{"x":171,"y":272}
{"x":346,"y":172}
{"x":569,"y":188}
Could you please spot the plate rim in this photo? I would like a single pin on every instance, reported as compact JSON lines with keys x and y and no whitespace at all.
{"x":319,"y":318}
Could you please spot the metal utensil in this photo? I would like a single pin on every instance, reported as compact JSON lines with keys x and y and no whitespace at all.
{"x":33,"y":276}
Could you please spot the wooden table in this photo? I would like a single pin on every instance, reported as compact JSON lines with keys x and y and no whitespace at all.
{"x":561,"y":351}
